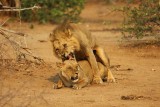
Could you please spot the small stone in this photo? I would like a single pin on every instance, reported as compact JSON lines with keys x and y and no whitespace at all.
{"x":153,"y":69}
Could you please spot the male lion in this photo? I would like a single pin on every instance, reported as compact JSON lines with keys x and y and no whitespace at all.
{"x":73,"y":41}
{"x":78,"y":75}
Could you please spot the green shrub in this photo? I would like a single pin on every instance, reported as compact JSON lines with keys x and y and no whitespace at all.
{"x":143,"y":20}
{"x":52,"y":10}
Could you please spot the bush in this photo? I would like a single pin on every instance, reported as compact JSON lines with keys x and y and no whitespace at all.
{"x":52,"y":10}
{"x":143,"y":20}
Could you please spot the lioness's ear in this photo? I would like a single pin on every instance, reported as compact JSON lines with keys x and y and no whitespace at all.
{"x":59,"y":64}
{"x":64,"y":74}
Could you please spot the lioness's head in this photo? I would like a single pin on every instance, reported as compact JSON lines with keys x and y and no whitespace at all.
{"x":64,"y":44}
{"x":70,"y":70}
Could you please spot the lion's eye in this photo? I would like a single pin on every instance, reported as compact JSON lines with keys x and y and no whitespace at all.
{"x":65,"y":45}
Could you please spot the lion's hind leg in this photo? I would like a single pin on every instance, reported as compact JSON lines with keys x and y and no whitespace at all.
{"x":102,"y":56}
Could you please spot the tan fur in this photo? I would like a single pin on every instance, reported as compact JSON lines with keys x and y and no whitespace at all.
{"x":82,"y":72}
{"x":74,"y":38}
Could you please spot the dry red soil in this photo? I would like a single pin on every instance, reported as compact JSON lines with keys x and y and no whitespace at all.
{"x":137,"y":76}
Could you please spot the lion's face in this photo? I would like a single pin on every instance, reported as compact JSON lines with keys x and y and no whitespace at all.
{"x":71,"y":71}
{"x":63,"y":49}
{"x":64,"y":44}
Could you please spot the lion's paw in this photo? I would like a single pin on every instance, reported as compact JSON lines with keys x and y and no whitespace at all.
{"x":97,"y":81}
{"x":57,"y":85}
{"x":76,"y":87}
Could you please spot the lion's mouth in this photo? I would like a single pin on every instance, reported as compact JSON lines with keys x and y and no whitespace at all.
{"x":74,"y":79}
{"x":69,"y":56}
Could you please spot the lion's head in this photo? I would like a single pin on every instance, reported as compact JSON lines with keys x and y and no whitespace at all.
{"x":64,"y":44}
{"x":63,"y":49}
{"x":70,"y":70}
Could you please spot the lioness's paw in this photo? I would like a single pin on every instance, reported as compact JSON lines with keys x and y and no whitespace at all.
{"x":76,"y":87}
{"x":97,"y":80}
{"x":55,"y":86}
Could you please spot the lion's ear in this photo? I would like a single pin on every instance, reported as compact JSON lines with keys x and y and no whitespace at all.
{"x":51,"y":37}
{"x":60,"y":65}
{"x":68,"y":33}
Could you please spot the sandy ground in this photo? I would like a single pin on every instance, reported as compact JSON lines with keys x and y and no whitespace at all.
{"x":137,"y":75}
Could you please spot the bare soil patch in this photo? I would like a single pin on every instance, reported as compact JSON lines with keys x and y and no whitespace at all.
{"x":136,"y":69}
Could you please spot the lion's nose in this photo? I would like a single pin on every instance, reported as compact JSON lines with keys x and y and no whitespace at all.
{"x":57,"y":50}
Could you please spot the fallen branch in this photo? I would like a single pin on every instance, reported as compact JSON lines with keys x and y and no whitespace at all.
{"x":19,"y":9}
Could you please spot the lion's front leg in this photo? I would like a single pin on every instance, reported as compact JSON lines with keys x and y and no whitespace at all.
{"x":58,"y":85}
{"x":110,"y":77}
{"x":81,"y":84}
{"x":92,"y":60}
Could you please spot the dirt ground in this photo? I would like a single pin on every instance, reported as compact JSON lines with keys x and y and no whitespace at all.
{"x":137,"y":72}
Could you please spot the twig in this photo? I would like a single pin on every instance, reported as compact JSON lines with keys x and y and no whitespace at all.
{"x":29,"y":53}
{"x":4,"y":22}
{"x":18,"y":9}
{"x":17,"y":46}
{"x":11,"y":31}
{"x":113,"y":10}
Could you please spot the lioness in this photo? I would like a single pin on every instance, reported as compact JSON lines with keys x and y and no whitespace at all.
{"x":74,"y":41}
{"x":78,"y":75}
